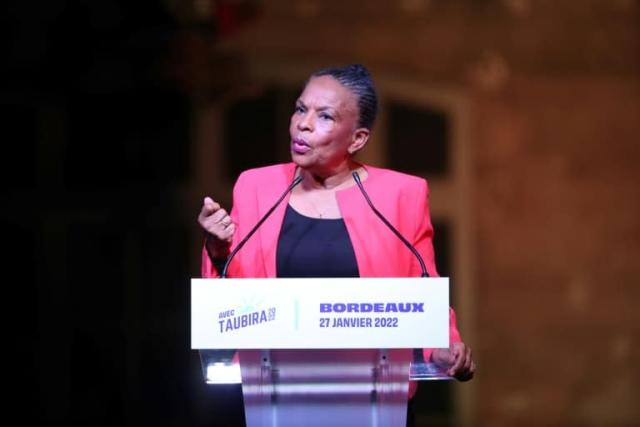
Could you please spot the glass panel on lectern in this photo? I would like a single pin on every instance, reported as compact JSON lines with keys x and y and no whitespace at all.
{"x":422,"y":371}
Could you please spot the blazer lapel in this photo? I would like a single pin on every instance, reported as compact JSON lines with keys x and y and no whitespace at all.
{"x":270,"y":230}
{"x":357,"y":218}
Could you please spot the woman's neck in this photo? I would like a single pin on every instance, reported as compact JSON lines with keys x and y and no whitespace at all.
{"x":329,"y":181}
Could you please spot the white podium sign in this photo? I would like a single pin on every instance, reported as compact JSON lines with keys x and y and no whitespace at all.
{"x":331,"y":313}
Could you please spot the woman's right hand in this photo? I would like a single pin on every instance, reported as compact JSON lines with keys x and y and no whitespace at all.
{"x":217,"y":223}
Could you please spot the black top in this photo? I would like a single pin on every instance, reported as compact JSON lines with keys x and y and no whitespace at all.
{"x":314,"y":247}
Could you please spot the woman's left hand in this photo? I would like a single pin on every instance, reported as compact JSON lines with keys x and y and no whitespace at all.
{"x":458,"y":359}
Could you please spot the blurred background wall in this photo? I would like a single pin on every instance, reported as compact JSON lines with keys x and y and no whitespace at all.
{"x":120,"y":116}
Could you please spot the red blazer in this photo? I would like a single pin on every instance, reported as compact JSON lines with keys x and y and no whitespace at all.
{"x":401,"y":198}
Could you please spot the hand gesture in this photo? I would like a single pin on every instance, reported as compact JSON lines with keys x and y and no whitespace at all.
{"x":216,"y":222}
{"x":457,"y":359}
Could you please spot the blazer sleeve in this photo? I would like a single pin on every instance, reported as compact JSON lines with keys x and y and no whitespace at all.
{"x":423,"y":241}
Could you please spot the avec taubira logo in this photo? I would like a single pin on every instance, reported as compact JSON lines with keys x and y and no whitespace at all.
{"x":249,"y":313}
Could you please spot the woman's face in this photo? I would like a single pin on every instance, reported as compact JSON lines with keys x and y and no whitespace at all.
{"x":324,"y":127}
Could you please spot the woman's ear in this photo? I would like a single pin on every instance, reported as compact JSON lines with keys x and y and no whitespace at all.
{"x":359,"y":140}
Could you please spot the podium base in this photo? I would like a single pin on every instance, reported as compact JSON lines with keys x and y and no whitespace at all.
{"x":289,"y":388}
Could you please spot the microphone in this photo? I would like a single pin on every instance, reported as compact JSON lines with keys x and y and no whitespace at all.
{"x":295,"y":182}
{"x":415,"y":252}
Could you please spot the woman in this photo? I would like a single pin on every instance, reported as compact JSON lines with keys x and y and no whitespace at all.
{"x":326,"y":228}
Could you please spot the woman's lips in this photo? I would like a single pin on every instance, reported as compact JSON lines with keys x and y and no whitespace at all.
{"x":299,"y":146}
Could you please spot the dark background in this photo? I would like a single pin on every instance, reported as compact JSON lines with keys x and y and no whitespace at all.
{"x":96,"y":140}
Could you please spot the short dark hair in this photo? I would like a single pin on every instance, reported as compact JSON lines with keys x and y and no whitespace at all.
{"x":357,"y":79}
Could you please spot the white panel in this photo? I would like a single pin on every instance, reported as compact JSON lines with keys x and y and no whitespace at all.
{"x":320,"y":313}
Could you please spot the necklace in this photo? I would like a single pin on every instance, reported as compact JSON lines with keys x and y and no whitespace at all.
{"x":328,"y":201}
{"x":322,"y":213}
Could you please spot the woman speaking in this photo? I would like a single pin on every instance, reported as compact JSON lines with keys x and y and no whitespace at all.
{"x":327,"y":226}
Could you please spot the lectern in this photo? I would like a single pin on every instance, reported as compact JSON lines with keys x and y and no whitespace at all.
{"x":320,"y":352}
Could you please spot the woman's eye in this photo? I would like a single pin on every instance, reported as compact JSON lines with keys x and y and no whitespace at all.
{"x":325,"y":116}
{"x":299,"y":109}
